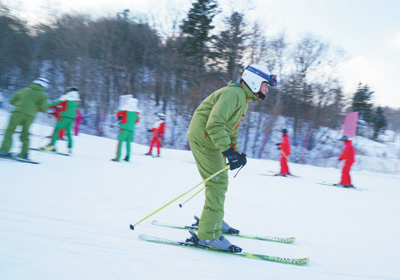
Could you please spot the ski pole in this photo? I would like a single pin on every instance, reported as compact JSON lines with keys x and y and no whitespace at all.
{"x":132,"y":227}
{"x":181,"y":205}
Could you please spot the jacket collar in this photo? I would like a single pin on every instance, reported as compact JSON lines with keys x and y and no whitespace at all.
{"x":249,"y":94}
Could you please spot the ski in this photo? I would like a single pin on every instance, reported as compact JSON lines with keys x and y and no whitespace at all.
{"x":49,"y":152}
{"x":187,"y":243}
{"x":263,"y":174}
{"x":340,"y":186}
{"x":14,"y":158}
{"x":278,"y":174}
{"x":285,"y":240}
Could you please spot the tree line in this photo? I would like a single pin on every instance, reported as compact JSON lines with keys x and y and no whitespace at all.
{"x":123,"y":54}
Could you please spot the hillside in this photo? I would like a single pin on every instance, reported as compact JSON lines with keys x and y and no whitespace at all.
{"x":68,"y":218}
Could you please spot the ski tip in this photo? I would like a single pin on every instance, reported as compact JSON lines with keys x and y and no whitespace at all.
{"x":132,"y":227}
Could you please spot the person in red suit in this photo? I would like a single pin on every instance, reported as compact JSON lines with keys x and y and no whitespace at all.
{"x":78,"y":120}
{"x":158,"y":134}
{"x":348,"y":156}
{"x":284,"y":147}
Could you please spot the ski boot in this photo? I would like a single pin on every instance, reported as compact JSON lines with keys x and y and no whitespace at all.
{"x":220,"y":243}
{"x":228,"y":229}
{"x":48,"y":148}
{"x":23,"y":157}
{"x":5,"y":155}
{"x":225,"y":227}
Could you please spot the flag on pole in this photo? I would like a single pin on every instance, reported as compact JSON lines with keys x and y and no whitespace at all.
{"x":350,"y":125}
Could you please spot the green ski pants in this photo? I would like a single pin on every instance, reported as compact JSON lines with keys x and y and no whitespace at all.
{"x":63,"y":123}
{"x":124,"y":136}
{"x":210,"y":160}
{"x":17,"y":118}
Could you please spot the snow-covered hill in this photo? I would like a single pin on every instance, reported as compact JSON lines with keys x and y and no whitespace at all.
{"x":68,"y":218}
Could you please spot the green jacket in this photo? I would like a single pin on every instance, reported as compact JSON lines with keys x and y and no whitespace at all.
{"x":128,"y":119}
{"x":30,"y":100}
{"x":215,"y":123}
{"x":68,"y":107}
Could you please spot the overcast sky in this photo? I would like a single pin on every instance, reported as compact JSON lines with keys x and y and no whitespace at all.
{"x":368,"y":31}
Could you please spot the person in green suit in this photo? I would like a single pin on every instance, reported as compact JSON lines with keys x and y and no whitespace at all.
{"x":28,"y":101}
{"x":70,"y":101}
{"x":213,"y":135}
{"x":128,"y":115}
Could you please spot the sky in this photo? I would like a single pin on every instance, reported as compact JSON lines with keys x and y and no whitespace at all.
{"x":368,"y":32}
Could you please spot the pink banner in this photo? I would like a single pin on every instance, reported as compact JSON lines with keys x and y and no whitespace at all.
{"x":350,"y":125}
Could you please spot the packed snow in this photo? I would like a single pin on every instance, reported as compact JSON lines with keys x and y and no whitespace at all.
{"x":69,"y":217}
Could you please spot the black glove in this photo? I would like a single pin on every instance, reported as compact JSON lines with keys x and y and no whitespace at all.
{"x":149,"y":130}
{"x":235,"y":159}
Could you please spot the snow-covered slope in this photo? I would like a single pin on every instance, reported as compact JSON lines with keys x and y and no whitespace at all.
{"x":68,"y":218}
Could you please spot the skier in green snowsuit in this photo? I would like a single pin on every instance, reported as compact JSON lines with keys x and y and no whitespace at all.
{"x":70,"y":101}
{"x":212,"y":135}
{"x":128,"y":115}
{"x":28,"y":101}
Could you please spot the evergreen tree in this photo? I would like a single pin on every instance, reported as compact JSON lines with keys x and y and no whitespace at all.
{"x":379,"y":122}
{"x":362,"y":103}
{"x":230,"y":45}
{"x":196,"y":29}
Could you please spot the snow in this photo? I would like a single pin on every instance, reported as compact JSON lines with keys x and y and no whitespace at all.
{"x":69,"y":217}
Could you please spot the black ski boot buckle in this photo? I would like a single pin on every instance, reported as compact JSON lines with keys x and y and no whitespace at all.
{"x":193,"y":238}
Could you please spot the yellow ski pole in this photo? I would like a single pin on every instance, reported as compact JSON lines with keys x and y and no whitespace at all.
{"x":132,"y":227}
{"x":181,"y":205}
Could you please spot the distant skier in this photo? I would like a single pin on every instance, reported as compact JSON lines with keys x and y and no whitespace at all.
{"x":70,"y":102}
{"x":128,"y":115}
{"x":158,"y":133}
{"x":348,"y":156}
{"x":213,"y":135}
{"x":78,"y":121}
{"x":284,"y":148}
{"x":28,"y":101}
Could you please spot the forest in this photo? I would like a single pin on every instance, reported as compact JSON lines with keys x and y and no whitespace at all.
{"x":173,"y":72}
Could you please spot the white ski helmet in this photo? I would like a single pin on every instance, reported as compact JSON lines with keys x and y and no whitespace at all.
{"x":132,"y":105}
{"x":72,"y":94}
{"x":255,"y":74}
{"x":43,"y":82}
{"x":161,"y":116}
